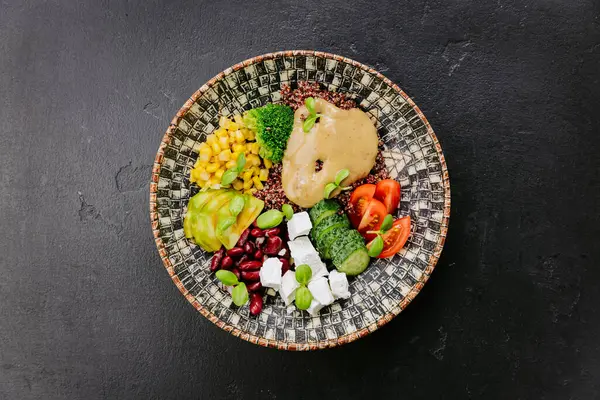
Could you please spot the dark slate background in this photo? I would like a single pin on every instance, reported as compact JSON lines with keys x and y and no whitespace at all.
{"x":87,"y":89}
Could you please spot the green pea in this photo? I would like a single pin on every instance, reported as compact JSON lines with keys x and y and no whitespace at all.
{"x":269,"y":219}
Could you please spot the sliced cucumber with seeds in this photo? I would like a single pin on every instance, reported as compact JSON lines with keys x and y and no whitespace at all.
{"x":349,"y":253}
{"x":326,"y":223}
{"x":325,"y":241}
{"x":323,"y":209}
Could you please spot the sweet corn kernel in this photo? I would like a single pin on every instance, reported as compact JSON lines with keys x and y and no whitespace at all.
{"x":225,"y":155}
{"x":239,"y":148}
{"x":204,"y":176}
{"x":203,"y":145}
{"x":268,"y":163}
{"x":255,"y":171}
{"x":215,"y":148}
{"x":211,"y":168}
{"x":233,"y":126}
{"x":210,"y":139}
{"x":238,"y":185}
{"x":221,"y":133}
{"x":247,"y":176}
{"x":214,"y":182}
{"x":238,"y":119}
{"x":263,"y":175}
{"x":249,"y":135}
{"x":254,"y":148}
{"x":257,"y":183}
{"x":230,"y":164}
{"x":248,"y":184}
{"x":250,"y":191}
{"x":239,"y":137}
{"x":253,"y":160}
{"x":219,"y":173}
{"x":224,"y":142}
{"x":224,"y":122}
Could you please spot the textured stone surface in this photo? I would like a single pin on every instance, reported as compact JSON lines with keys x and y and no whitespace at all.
{"x":512,"y":90}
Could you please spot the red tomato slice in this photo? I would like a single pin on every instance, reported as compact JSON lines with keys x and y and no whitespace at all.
{"x":372,"y":219}
{"x":388,"y":192}
{"x":395,"y":239}
{"x":359,"y":200}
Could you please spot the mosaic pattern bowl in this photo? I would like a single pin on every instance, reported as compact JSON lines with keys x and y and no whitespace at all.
{"x":413,"y":156}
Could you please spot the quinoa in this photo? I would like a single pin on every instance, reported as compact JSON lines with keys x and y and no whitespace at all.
{"x":295,"y":97}
{"x":272,"y":193}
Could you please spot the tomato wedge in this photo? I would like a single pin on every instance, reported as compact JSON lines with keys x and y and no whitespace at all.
{"x":388,"y":191}
{"x":371,"y":220}
{"x":359,"y":200}
{"x":395,"y":239}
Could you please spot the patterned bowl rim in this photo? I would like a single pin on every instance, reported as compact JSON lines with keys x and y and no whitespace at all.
{"x":283,"y":345}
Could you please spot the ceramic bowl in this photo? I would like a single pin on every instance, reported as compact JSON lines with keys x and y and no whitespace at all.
{"x":412,"y":154}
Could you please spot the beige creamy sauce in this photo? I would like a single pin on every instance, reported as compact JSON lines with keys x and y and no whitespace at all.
{"x":342,"y":139}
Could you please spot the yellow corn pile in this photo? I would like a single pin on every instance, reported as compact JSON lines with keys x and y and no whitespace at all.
{"x":220,"y":152}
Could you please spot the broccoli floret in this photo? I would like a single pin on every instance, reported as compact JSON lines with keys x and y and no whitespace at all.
{"x":272,"y":124}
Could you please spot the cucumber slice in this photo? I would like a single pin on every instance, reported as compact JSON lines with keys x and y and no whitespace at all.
{"x":329,"y":236}
{"x":322,"y":209}
{"x":349,"y":253}
{"x":326,"y":223}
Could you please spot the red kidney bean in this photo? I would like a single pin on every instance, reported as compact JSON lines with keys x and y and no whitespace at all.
{"x":256,"y":303}
{"x":258,"y":254}
{"x":235,"y":252}
{"x":215,"y":262}
{"x":273,"y":245}
{"x":242,"y":259}
{"x":251,"y":275}
{"x":257,"y":232}
{"x":243,"y":237}
{"x":227,"y":262}
{"x":250,"y":265}
{"x":272,"y":232}
{"x":249,"y":248}
{"x":254,"y":286}
{"x":259,"y":242}
{"x":236,"y":272}
{"x":285,"y":265}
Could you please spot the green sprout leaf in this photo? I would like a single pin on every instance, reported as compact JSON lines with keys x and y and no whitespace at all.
{"x":303,"y":274}
{"x":228,"y":177}
{"x":225,"y":224}
{"x":288,"y":211}
{"x":241,"y":162}
{"x":309,"y":122}
{"x":387,"y":223}
{"x":237,"y":205}
{"x":269,"y":219}
{"x":239,"y":294}
{"x":227,"y":278}
{"x":329,"y":188}
{"x":376,"y":247}
{"x":310,"y":104}
{"x":341,"y":175}
{"x":303,"y":298}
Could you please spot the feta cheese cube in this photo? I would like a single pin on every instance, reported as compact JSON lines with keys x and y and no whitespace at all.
{"x":339,"y":285}
{"x":303,"y":252}
{"x":319,"y":269}
{"x":314,"y":308}
{"x":270,"y":273}
{"x":319,"y":288}
{"x":289,"y":284}
{"x":299,"y":225}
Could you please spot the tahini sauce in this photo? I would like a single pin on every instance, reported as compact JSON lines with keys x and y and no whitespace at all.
{"x":342,"y":139}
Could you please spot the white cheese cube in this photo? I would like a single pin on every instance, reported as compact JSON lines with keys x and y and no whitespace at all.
{"x":270,"y":273}
{"x":289,"y":284}
{"x":319,"y":269}
{"x":314,"y":308}
{"x":339,"y":285}
{"x":299,"y":225}
{"x":302,"y":251}
{"x":319,"y":288}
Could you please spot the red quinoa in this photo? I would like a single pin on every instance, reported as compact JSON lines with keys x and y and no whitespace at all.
{"x":295,"y":97}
